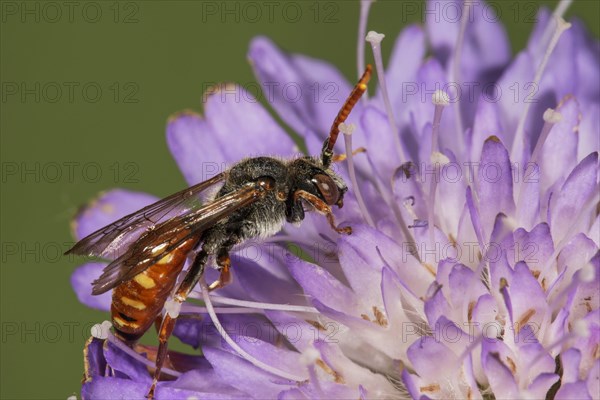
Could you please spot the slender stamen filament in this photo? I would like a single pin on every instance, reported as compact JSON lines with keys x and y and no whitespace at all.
{"x":518,"y":143}
{"x":440,"y":100}
{"x":365,"y":6}
{"x":559,"y":12}
{"x":580,"y":329}
{"x":375,"y":39}
{"x":263,"y":306}
{"x":249,"y":306}
{"x":551,"y":117}
{"x":138,"y":357}
{"x":583,"y":214}
{"x":235,"y":346}
{"x":347,"y":131}
{"x":460,"y":40}
{"x":195,"y":310}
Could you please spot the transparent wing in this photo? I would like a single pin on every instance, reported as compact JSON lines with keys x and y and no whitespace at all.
{"x":157,"y":243}
{"x":115,"y":239}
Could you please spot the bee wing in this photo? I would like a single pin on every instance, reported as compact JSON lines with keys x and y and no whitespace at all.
{"x":109,"y":241}
{"x":155,"y":244}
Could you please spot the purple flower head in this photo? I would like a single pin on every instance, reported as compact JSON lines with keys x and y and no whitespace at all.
{"x":473,"y":269}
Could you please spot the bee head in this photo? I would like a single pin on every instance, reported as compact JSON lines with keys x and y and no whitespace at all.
{"x":321,"y":181}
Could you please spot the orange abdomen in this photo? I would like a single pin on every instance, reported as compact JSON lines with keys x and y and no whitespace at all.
{"x":137,"y":303}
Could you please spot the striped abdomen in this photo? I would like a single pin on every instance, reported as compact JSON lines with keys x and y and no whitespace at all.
{"x":137,"y":303}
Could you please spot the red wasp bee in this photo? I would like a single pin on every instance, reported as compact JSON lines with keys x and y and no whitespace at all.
{"x":149,"y":247}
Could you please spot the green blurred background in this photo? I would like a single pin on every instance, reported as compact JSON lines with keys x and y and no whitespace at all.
{"x":130,"y":65}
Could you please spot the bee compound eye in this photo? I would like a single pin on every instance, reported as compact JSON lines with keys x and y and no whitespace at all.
{"x":327,"y":187}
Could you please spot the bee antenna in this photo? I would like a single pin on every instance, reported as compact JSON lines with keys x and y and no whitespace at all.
{"x":357,"y":92}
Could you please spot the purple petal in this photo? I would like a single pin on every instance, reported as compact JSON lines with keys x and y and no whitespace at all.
{"x":322,"y":286}
{"x":528,"y":299}
{"x":94,"y":361}
{"x":267,"y":269}
{"x":575,"y":254}
{"x":570,"y":360}
{"x":528,"y":210}
{"x":499,"y":376}
{"x":350,"y":320}
{"x":530,"y":350}
{"x":206,"y":383}
{"x":588,"y":130}
{"x":244,"y":376}
{"x":499,"y":250}
{"x":475,"y":216}
{"x":81,"y":281}
{"x":511,"y":101}
{"x":486,"y":39}
{"x":573,"y":391}
{"x":487,"y":123}
{"x":292,"y":394}
{"x":298,"y":331}
{"x":431,"y":359}
{"x":122,"y":362}
{"x":197,"y":330}
{"x":402,"y":69}
{"x":236,"y":126}
{"x":362,"y":265}
{"x":114,"y":388}
{"x":378,"y":139}
{"x":335,"y":358}
{"x":125,"y":389}
{"x":566,"y":205}
{"x":533,"y":247}
{"x":451,"y":188}
{"x":485,"y":312}
{"x":561,"y":76}
{"x":465,"y":286}
{"x":588,"y":63}
{"x":593,"y":381}
{"x":541,"y":385}
{"x":391,"y":290}
{"x":561,"y":145}
{"x":107,"y":208}
{"x":495,"y":183}
{"x":271,"y":354}
{"x":255,"y":131}
{"x":373,"y":249}
{"x":305,"y":92}
{"x":436,"y":307}
{"x":431,"y":76}
{"x":410,"y":381}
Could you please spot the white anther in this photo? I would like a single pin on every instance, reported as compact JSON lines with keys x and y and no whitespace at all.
{"x":440,"y":98}
{"x":374,"y":37}
{"x":309,"y":356}
{"x":552,"y":116}
{"x":587,"y":273}
{"x":346,"y":129}
{"x":100,"y":331}
{"x":581,"y":328}
{"x":439,"y":158}
{"x":172,"y":307}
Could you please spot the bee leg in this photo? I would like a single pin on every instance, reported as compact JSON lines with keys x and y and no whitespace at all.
{"x":322,"y":208}
{"x":224,"y":263}
{"x":168,"y":322}
{"x":342,"y":157}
